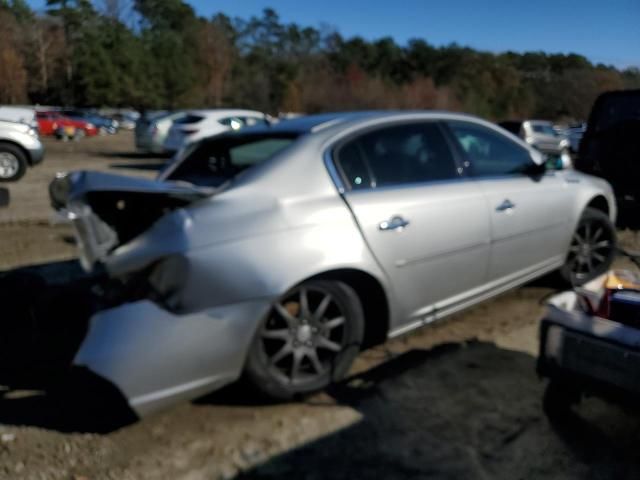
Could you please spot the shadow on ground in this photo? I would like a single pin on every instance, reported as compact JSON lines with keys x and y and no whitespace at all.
{"x":468,"y":411}
{"x":4,"y":197}
{"x":43,"y":323}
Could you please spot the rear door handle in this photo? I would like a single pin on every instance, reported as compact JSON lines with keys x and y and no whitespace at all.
{"x":394,"y":223}
{"x":505,"y":205}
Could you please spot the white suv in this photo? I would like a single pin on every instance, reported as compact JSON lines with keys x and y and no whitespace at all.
{"x":20,"y":147}
{"x":199,"y":124}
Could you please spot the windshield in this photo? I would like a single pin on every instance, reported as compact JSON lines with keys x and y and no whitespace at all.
{"x":213,"y":162}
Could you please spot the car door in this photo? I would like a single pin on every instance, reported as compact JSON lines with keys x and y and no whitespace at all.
{"x":530,"y":213}
{"x":426,"y":224}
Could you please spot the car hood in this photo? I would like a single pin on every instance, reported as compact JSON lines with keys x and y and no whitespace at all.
{"x":110,"y":210}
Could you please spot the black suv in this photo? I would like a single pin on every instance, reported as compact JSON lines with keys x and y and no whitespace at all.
{"x":610,"y":147}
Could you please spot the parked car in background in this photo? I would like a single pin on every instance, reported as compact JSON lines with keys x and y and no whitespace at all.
{"x":574,"y":135}
{"x":151,"y":131}
{"x":19,"y":114}
{"x":281,"y":251}
{"x":541,"y":135}
{"x":20,"y":148}
{"x":125,"y":121}
{"x":103,"y":124}
{"x":610,"y":147}
{"x":54,"y":123}
{"x":198,"y":124}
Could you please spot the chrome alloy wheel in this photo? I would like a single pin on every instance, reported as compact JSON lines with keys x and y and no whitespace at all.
{"x":9,"y":165}
{"x":303,"y":334}
{"x":591,"y":247}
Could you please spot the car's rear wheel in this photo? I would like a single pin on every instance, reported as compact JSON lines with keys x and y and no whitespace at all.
{"x":13,"y":163}
{"x":309,"y":339}
{"x":592,"y":249}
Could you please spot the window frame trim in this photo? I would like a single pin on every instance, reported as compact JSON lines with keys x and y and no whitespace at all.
{"x":344,"y":185}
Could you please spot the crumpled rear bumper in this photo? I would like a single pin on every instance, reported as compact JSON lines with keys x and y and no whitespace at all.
{"x":156,"y":358}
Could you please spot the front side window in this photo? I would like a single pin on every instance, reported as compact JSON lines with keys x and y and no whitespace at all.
{"x":397,"y":155}
{"x":490,"y":153}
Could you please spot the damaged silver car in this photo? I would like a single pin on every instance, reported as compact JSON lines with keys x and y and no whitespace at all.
{"x":279,"y":252}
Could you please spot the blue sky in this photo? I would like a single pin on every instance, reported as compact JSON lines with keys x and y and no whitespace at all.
{"x":606,"y":31}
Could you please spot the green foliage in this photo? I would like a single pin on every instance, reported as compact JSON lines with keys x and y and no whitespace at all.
{"x":165,"y":56}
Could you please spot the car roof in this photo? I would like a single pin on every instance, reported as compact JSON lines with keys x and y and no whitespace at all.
{"x":223,"y":112}
{"x":330,"y":122}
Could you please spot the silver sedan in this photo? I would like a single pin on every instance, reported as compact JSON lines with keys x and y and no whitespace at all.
{"x":279,"y":252}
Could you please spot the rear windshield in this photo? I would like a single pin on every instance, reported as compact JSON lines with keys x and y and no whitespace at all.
{"x":543,"y":128}
{"x":611,"y":110}
{"x":213,"y":162}
{"x":189,"y":118}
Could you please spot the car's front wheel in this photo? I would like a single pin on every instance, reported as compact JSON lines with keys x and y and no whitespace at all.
{"x":592,"y":249}
{"x":309,"y":339}
{"x":13,"y":163}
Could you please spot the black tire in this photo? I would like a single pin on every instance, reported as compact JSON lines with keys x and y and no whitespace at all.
{"x":13,"y":163}
{"x":558,"y":400}
{"x":592,"y":249}
{"x":287,"y":336}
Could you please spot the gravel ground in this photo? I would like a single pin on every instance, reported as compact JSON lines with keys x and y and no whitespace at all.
{"x":458,"y":399}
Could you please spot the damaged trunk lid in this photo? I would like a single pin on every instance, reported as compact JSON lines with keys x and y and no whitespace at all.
{"x":110,"y":210}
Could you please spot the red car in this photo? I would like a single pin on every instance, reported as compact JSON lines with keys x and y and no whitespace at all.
{"x":50,"y":123}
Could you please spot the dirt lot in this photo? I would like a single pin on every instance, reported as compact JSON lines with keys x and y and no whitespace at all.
{"x":459,"y":399}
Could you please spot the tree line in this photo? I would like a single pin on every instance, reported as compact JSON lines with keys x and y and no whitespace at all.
{"x":159,"y":54}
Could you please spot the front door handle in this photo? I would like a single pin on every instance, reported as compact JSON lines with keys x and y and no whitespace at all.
{"x":505,"y":205}
{"x":394,"y":223}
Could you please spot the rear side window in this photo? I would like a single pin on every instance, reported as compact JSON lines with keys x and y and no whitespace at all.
{"x":397,"y":155}
{"x":353,"y":166}
{"x":490,"y":153}
{"x":234,"y":123}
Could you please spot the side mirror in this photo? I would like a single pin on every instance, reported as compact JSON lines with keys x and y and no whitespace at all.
{"x":4,"y":197}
